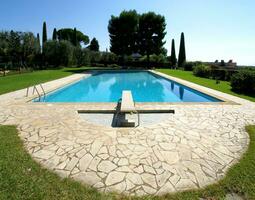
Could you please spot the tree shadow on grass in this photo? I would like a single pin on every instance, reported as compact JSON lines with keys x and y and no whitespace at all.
{"x":244,"y":93}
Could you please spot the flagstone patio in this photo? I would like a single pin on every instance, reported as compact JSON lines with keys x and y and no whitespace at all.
{"x":190,"y":149}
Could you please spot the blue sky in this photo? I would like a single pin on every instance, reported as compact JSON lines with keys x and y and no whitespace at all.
{"x":214,"y":29}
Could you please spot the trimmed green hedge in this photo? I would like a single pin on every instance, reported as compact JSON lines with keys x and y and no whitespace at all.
{"x":202,"y":71}
{"x":244,"y":81}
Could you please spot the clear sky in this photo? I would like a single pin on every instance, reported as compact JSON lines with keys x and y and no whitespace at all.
{"x":214,"y":29}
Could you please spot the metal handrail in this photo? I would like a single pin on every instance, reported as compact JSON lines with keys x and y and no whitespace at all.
{"x":44,"y":94}
{"x":27,"y":91}
{"x":36,"y":89}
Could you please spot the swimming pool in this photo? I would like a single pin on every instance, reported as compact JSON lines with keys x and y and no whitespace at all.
{"x":108,"y":87}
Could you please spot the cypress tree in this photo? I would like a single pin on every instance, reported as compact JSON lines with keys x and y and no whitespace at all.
{"x":182,"y":52}
{"x":38,"y":43}
{"x":94,"y":46}
{"x":54,"y":35}
{"x":74,"y":37}
{"x":173,"y":54}
{"x":44,"y":36}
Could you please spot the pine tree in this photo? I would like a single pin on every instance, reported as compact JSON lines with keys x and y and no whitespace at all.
{"x":44,"y":36}
{"x":38,"y":43}
{"x":173,"y":59}
{"x":54,"y":35}
{"x":182,"y":52}
{"x":74,"y":37}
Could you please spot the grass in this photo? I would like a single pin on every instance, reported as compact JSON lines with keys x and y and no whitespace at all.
{"x":19,"y":81}
{"x":223,"y":86}
{"x":23,"y":178}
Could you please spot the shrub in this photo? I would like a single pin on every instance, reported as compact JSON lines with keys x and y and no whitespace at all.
{"x":244,"y":81}
{"x":58,"y":53}
{"x":202,"y":71}
{"x":219,"y":74}
{"x":188,"y":66}
{"x":95,"y":57}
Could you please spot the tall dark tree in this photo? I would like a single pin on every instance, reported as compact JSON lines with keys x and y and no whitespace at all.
{"x":94,"y":46}
{"x":173,"y":58}
{"x":151,"y":34}
{"x":29,"y":47}
{"x":68,"y":34}
{"x":74,"y":39}
{"x":182,"y":52}
{"x":44,"y":36}
{"x":14,"y":47}
{"x":54,"y":35}
{"x":38,"y":44}
{"x":4,"y":38}
{"x":123,"y":33}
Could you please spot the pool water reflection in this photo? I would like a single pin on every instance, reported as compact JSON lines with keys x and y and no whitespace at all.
{"x":145,"y":87}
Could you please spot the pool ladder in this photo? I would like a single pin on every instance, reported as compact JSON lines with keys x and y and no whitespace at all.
{"x":35,"y":89}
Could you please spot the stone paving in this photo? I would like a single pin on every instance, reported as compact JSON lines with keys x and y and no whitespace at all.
{"x":190,"y":149}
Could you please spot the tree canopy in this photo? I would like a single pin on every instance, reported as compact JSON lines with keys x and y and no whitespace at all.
{"x":133,"y":33}
{"x":44,"y":34}
{"x":123,"y":32}
{"x":68,"y":34}
{"x":151,"y":34}
{"x":94,"y":46}
{"x":54,"y":35}
{"x":173,"y":58}
{"x":182,"y":52}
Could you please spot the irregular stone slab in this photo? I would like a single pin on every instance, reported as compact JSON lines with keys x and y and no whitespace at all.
{"x":170,"y":157}
{"x":106,"y":166}
{"x":167,"y":188}
{"x":71,"y":164}
{"x":162,"y":178}
{"x":149,"y":179}
{"x":134,"y":178}
{"x":94,"y":163}
{"x":149,"y":190}
{"x":89,"y":178}
{"x":95,"y":147}
{"x":43,"y":154}
{"x":85,"y":162}
{"x":120,"y":187}
{"x":114,"y":177}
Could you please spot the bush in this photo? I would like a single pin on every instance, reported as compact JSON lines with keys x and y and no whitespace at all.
{"x":95,"y":57}
{"x":202,"y":71}
{"x":188,"y":66}
{"x":244,"y":81}
{"x":58,"y":53}
{"x":219,"y":74}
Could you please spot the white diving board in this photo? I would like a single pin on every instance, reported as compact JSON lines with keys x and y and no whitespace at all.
{"x":127,"y":102}
{"x":127,"y":108}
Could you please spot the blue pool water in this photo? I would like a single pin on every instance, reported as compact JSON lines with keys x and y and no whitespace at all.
{"x":145,"y":87}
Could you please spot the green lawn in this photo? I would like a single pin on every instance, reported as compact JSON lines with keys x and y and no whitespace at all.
{"x":23,"y":178}
{"x":223,"y":86}
{"x":19,"y":81}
